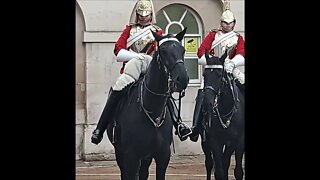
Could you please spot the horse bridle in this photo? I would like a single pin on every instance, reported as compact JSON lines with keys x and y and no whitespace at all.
{"x":160,"y":119}
{"x":215,"y":108}
{"x":168,"y":69}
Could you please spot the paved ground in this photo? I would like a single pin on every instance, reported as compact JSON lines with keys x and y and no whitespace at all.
{"x":180,"y":168}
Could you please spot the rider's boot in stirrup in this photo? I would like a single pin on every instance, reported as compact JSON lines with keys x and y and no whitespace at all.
{"x":182,"y":129}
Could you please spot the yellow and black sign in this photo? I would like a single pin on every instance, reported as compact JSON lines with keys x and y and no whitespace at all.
{"x":191,"y":45}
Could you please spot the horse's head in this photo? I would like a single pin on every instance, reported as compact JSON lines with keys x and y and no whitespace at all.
{"x":214,"y":78}
{"x":171,"y":54}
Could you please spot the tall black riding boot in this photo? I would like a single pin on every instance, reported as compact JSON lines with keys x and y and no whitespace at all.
{"x":182,"y":129}
{"x":197,"y":117}
{"x":106,"y":116}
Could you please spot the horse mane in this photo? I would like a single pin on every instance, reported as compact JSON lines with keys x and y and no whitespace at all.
{"x":169,"y":35}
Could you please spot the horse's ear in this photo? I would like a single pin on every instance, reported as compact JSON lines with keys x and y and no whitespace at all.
{"x":209,"y":61}
{"x":156,"y":36}
{"x":180,"y":35}
{"x":223,"y":57}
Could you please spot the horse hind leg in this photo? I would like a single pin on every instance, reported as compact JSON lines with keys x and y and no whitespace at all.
{"x":144,"y":169}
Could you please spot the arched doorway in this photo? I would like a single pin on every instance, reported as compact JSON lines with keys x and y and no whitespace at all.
{"x":80,"y":82}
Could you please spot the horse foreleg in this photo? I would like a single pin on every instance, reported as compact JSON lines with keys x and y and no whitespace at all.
{"x":131,"y":165}
{"x":238,"y":171}
{"x":119,"y":160}
{"x":217,"y":157}
{"x":161,"y":165}
{"x":226,"y":160}
{"x":208,"y":159}
{"x":209,"y":165}
{"x":144,"y":169}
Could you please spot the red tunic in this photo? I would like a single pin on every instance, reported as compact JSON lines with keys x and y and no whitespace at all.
{"x":207,"y":42}
{"x":122,"y":43}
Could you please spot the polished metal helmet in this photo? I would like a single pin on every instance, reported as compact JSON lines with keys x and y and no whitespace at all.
{"x":144,"y":7}
{"x":227,"y":14}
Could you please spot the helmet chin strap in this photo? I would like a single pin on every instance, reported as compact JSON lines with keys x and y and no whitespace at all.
{"x":226,"y":31}
{"x":144,"y":24}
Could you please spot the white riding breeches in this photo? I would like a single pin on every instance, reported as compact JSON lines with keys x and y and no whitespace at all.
{"x":131,"y":72}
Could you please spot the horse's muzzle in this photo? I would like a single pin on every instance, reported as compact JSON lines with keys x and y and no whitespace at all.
{"x":179,"y":84}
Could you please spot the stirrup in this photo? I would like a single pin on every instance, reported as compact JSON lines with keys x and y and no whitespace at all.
{"x":182,"y":127}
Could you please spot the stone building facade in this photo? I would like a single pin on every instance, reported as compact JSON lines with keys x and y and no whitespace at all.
{"x":99,"y":23}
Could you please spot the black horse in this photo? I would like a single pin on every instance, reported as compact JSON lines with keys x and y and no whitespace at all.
{"x":223,"y":108}
{"x":143,"y":126}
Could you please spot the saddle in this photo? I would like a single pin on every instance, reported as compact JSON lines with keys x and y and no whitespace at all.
{"x":126,"y":92}
{"x":124,"y":99}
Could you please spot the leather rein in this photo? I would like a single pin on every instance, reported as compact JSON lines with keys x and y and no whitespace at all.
{"x":158,"y":121}
{"x":215,"y":107}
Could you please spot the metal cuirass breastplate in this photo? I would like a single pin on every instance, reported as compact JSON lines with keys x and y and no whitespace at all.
{"x":138,"y":45}
{"x":228,"y":44}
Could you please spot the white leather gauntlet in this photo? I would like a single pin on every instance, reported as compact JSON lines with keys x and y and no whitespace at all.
{"x":229,"y":65}
{"x":238,"y":60}
{"x":238,"y":75}
{"x":125,"y":55}
{"x":202,"y":60}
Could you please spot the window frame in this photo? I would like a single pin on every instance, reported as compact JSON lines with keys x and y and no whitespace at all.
{"x":196,"y":81}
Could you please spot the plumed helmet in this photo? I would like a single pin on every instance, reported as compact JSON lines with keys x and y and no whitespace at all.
{"x":227,"y":14}
{"x":144,"y":7}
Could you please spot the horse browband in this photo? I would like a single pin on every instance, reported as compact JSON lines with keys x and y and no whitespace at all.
{"x":167,"y":39}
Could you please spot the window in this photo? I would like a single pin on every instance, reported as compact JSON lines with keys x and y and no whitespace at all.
{"x":173,"y":19}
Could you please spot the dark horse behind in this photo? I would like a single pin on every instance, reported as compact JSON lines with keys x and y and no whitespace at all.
{"x":143,"y":126}
{"x":223,"y":108}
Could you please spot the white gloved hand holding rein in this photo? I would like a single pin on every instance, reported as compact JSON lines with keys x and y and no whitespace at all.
{"x":236,"y":61}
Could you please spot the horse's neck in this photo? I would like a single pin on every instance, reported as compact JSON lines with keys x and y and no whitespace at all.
{"x":156,"y":78}
{"x":227,"y":99}
{"x":155,"y":90}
